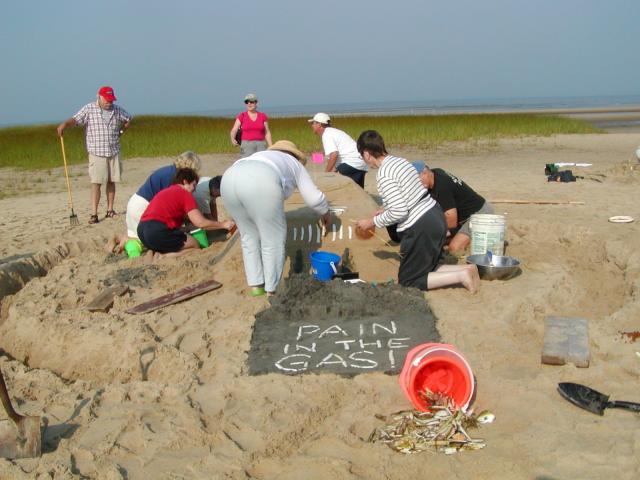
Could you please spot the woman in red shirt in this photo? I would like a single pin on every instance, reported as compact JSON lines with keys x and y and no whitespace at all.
{"x":159,"y":228}
{"x":255,"y":134}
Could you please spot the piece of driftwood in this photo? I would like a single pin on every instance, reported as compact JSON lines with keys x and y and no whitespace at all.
{"x":175,"y":297}
{"x":566,"y":339}
{"x":537,"y":202}
{"x":104,"y":301}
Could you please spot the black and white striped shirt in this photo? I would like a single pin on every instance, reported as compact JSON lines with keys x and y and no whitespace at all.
{"x":102,"y":133}
{"x":404,"y":197}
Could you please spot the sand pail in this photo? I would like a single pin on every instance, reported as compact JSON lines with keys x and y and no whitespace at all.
{"x":324,"y":265}
{"x":440,"y":368}
{"x":201,"y":236}
{"x":487,"y":233}
{"x":133,"y":247}
{"x":317,"y":157}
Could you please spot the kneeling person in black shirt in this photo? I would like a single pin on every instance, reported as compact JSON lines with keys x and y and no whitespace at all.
{"x":458,"y":201}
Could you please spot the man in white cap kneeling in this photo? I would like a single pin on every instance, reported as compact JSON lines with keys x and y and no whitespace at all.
{"x":340,"y":149}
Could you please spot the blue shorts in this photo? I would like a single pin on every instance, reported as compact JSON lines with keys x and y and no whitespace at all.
{"x":353,"y":173}
{"x":158,"y":237}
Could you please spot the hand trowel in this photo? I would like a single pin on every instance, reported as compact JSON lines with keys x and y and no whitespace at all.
{"x":592,"y":400}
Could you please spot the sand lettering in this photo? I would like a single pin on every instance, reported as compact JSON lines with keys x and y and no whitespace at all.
{"x":345,"y":343}
{"x":395,"y":342}
{"x":327,"y":360}
{"x":334,"y":348}
{"x":293,"y":366}
{"x":333,"y":329}
{"x":312,"y":348}
{"x":377,"y":343}
{"x":306,"y":329}
{"x":368,"y":363}
{"x":391,"y":329}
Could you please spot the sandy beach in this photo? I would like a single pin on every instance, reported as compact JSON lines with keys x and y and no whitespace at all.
{"x":168,"y":394}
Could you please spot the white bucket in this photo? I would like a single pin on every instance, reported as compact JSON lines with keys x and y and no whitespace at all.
{"x":487,"y":233}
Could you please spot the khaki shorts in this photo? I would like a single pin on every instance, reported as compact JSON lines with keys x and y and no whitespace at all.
{"x":104,"y":169}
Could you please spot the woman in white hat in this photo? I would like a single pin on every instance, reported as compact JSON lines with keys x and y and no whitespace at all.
{"x":254,"y":128}
{"x":253,"y":191}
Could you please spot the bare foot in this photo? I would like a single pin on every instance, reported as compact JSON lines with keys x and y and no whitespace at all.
{"x":111,"y":244}
{"x":119,"y":248}
{"x":148,"y":257}
{"x":471,"y":278}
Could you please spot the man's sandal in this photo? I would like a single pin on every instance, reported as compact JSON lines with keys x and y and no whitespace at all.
{"x":93,"y":219}
{"x":111,"y":214}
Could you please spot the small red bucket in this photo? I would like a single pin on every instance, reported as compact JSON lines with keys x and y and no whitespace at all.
{"x":439,"y":368}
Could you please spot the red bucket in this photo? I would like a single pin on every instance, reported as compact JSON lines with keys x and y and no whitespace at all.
{"x":441,"y":369}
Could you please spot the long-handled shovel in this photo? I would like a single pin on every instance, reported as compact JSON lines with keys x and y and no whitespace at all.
{"x":20,"y":436}
{"x":73,"y":218}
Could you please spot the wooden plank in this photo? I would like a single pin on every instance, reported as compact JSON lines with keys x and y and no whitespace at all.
{"x":566,"y":339}
{"x":104,"y":301}
{"x":175,"y":297}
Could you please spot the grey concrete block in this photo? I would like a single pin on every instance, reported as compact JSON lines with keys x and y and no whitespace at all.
{"x":566,"y":339}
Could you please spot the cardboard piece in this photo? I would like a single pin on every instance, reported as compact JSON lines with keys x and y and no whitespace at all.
{"x":175,"y":297}
{"x":104,"y":301}
{"x":566,"y":339}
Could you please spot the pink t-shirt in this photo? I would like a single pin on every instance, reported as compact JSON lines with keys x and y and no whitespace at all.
{"x":253,"y":130}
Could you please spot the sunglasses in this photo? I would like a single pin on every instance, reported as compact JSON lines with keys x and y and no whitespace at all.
{"x":250,"y":101}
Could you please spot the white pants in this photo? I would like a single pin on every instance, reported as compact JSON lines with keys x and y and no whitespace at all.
{"x":252,"y":194}
{"x":135,"y":208}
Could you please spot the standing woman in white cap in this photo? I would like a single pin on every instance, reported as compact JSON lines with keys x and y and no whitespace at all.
{"x":253,"y":191}
{"x":254,"y":134}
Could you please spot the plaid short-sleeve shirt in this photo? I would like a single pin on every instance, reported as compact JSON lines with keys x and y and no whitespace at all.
{"x":102,"y":131}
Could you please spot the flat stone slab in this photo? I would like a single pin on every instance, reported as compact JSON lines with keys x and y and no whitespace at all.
{"x":340,"y":328}
{"x":566,"y":339}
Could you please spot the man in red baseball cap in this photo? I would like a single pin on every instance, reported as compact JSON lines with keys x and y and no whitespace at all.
{"x":104,"y":123}
{"x":107,"y":94}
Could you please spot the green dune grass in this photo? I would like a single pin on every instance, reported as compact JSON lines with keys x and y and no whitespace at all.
{"x":37,"y":147}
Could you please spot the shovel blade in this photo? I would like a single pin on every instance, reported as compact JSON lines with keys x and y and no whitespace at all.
{"x":584,"y":397}
{"x":21,"y":439}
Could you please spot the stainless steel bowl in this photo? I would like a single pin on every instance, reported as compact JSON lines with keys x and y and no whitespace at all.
{"x":495,"y":267}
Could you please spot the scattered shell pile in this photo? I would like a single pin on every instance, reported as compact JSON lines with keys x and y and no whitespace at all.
{"x":442,"y":430}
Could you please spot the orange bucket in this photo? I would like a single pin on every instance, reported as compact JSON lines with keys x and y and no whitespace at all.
{"x":441,"y":369}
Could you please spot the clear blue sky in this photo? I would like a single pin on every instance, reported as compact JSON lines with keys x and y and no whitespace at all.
{"x":168,"y":56}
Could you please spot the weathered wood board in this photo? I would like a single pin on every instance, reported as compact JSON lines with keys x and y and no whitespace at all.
{"x":175,"y":297}
{"x":104,"y":301}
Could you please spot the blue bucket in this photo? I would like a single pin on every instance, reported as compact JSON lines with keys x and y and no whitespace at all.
{"x":324,"y":265}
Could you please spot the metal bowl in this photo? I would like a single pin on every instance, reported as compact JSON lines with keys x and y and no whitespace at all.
{"x":495,"y":267}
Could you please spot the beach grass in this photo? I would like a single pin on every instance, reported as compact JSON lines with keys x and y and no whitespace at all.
{"x":38,"y":147}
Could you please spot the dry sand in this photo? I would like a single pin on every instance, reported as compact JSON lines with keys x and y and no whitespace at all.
{"x":167,"y":394}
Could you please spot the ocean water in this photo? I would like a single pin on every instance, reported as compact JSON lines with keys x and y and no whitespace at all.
{"x":439,"y":107}
{"x":432,"y":107}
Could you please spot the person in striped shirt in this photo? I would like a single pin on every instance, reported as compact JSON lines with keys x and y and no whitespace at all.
{"x":420,"y":221}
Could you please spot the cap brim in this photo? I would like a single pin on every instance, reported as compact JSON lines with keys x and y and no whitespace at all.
{"x":419,"y":166}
